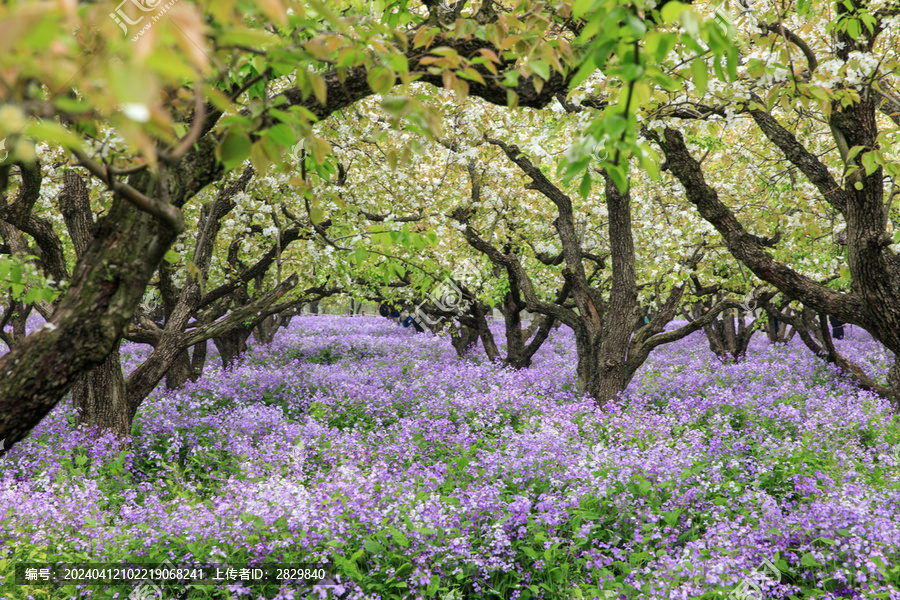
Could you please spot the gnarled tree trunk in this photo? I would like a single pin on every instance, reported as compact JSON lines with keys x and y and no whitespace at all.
{"x":728,"y":335}
{"x":99,"y":398}
{"x":179,"y":372}
{"x":231,"y":345}
{"x":462,"y":338}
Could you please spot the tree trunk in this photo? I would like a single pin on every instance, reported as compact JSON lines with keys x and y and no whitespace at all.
{"x":893,"y":381}
{"x":729,"y":336}
{"x":231,"y":345}
{"x":108,"y":283}
{"x":511,"y":308}
{"x":264,"y":333}
{"x":17,"y":314}
{"x":608,"y":380}
{"x":174,"y":341}
{"x":609,"y":351}
{"x":461,"y":339}
{"x":99,"y":397}
{"x":198,"y":360}
{"x":180,"y":371}
{"x":777,"y":331}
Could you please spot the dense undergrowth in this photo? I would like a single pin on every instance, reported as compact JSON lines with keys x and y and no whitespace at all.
{"x":410,"y":473}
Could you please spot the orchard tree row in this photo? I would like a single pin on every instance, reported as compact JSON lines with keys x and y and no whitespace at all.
{"x":607,"y":165}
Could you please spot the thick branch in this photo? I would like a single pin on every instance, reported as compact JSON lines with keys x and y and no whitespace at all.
{"x":745,"y":246}
{"x":800,"y":157}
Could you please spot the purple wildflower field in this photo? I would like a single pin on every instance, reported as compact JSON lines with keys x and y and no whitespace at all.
{"x":413,"y":473}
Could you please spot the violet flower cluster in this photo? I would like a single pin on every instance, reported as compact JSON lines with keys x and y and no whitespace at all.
{"x":412,"y":473}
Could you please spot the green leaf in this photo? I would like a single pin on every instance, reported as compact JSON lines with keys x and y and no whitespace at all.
{"x":360,"y":255}
{"x":396,"y":106}
{"x":171,"y":256}
{"x":700,"y":74}
{"x":585,"y":187}
{"x":403,"y":570}
{"x":618,"y":176}
{"x":541,"y":69}
{"x":282,"y":134}
{"x":808,"y":560}
{"x":433,"y":586}
{"x":234,"y":149}
{"x":672,"y":11}
{"x":630,"y":72}
{"x":825,"y":541}
{"x":381,"y":79}
{"x":247,"y":37}
{"x":854,"y":151}
{"x":868,"y":161}
{"x":33,"y":295}
{"x":54,"y":133}
{"x":399,"y":537}
{"x":372,"y":546}
{"x":580,"y":7}
{"x":615,"y":125}
{"x":732,"y":62}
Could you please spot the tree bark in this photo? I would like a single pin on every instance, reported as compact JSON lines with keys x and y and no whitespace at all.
{"x":180,"y":371}
{"x":109,"y":281}
{"x":100,"y":400}
{"x":198,"y":359}
{"x":729,"y":335}
{"x":462,"y":339}
{"x":231,"y":345}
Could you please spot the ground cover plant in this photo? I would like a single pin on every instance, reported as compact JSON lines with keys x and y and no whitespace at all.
{"x":413,"y":473}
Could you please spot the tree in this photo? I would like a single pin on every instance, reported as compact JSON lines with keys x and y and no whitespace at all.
{"x":609,"y":352}
{"x":853,"y":113}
